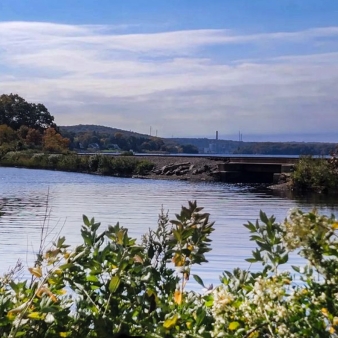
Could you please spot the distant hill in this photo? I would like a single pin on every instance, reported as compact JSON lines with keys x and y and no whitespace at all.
{"x":144,"y":142}
{"x":212,"y":146}
{"x":81,"y":128}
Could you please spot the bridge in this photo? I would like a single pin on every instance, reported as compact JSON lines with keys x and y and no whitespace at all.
{"x":255,"y":169}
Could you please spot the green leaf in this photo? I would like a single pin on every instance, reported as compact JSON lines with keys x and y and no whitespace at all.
{"x":264,"y":246}
{"x":263,"y":217}
{"x":198,"y":280}
{"x":296,"y":268}
{"x":92,"y":278}
{"x":151,"y":252}
{"x":200,"y":316}
{"x":177,"y":235}
{"x":284,"y":259}
{"x":114,"y":283}
{"x":251,"y":260}
{"x":66,"y":266}
{"x":250,"y":226}
{"x":209,"y":300}
{"x":86,"y":220}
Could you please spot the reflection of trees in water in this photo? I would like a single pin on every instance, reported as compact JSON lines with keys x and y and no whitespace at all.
{"x":14,"y":206}
{"x":314,"y":199}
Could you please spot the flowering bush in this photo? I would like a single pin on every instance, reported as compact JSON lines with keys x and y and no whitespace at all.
{"x":110,"y":284}
{"x":271,"y":303}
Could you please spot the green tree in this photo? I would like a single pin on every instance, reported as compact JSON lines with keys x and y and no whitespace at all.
{"x":188,"y":149}
{"x":7,"y":134}
{"x":16,"y":112}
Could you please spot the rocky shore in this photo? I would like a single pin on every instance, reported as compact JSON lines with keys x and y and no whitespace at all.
{"x":196,"y":169}
{"x":183,"y":168}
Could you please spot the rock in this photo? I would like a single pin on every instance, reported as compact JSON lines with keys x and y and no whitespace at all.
{"x":180,"y":172}
{"x":172,"y":167}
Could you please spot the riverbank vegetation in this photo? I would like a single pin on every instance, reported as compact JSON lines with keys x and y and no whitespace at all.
{"x":111,"y":283}
{"x":123,"y":166}
{"x":316,"y":174}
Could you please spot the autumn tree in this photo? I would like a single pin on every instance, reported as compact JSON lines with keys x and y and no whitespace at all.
{"x":33,"y":137}
{"x":7,"y":134}
{"x":54,"y":142}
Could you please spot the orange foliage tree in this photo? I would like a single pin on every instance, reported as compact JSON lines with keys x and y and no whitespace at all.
{"x":33,"y":137}
{"x":7,"y":134}
{"x":54,"y":142}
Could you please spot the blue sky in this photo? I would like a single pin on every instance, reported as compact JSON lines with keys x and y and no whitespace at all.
{"x":185,"y":68}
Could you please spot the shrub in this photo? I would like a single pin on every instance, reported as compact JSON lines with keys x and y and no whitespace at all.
{"x":143,"y":167}
{"x":116,"y":285}
{"x":315,"y":174}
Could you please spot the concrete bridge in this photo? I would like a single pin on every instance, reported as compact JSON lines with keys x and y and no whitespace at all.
{"x":255,"y":169}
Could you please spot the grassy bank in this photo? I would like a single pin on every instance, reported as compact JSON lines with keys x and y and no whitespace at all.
{"x":124,"y":166}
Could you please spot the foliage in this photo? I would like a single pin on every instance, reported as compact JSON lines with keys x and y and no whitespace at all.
{"x":316,"y":174}
{"x":103,"y":164}
{"x":111,"y":284}
{"x":16,"y":112}
{"x":7,"y":134}
{"x":54,"y":142}
{"x":188,"y":149}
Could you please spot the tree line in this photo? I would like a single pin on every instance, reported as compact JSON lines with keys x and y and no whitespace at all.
{"x":91,"y":137}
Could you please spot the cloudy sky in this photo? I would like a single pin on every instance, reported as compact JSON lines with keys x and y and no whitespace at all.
{"x":183,"y":68}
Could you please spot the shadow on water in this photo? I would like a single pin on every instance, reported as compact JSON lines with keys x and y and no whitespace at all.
{"x":14,"y":206}
{"x":330,"y":200}
{"x":309,"y":198}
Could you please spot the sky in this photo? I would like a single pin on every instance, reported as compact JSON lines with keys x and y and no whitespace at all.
{"x":178,"y":68}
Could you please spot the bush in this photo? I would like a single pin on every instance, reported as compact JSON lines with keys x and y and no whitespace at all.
{"x":116,"y":285}
{"x":314,"y":174}
{"x":102,"y":164}
{"x":143,"y":167}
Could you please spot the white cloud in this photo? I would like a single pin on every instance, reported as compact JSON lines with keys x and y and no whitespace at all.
{"x":174,"y":81}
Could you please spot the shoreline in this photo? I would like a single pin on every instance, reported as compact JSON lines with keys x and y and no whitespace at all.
{"x":180,"y":168}
{"x":193,"y":169}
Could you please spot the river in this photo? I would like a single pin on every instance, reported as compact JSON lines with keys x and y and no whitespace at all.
{"x":27,"y":196}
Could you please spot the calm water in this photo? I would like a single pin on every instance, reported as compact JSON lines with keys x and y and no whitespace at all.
{"x":27,"y":195}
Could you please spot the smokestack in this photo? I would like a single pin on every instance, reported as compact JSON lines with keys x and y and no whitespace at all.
{"x":216,"y":135}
